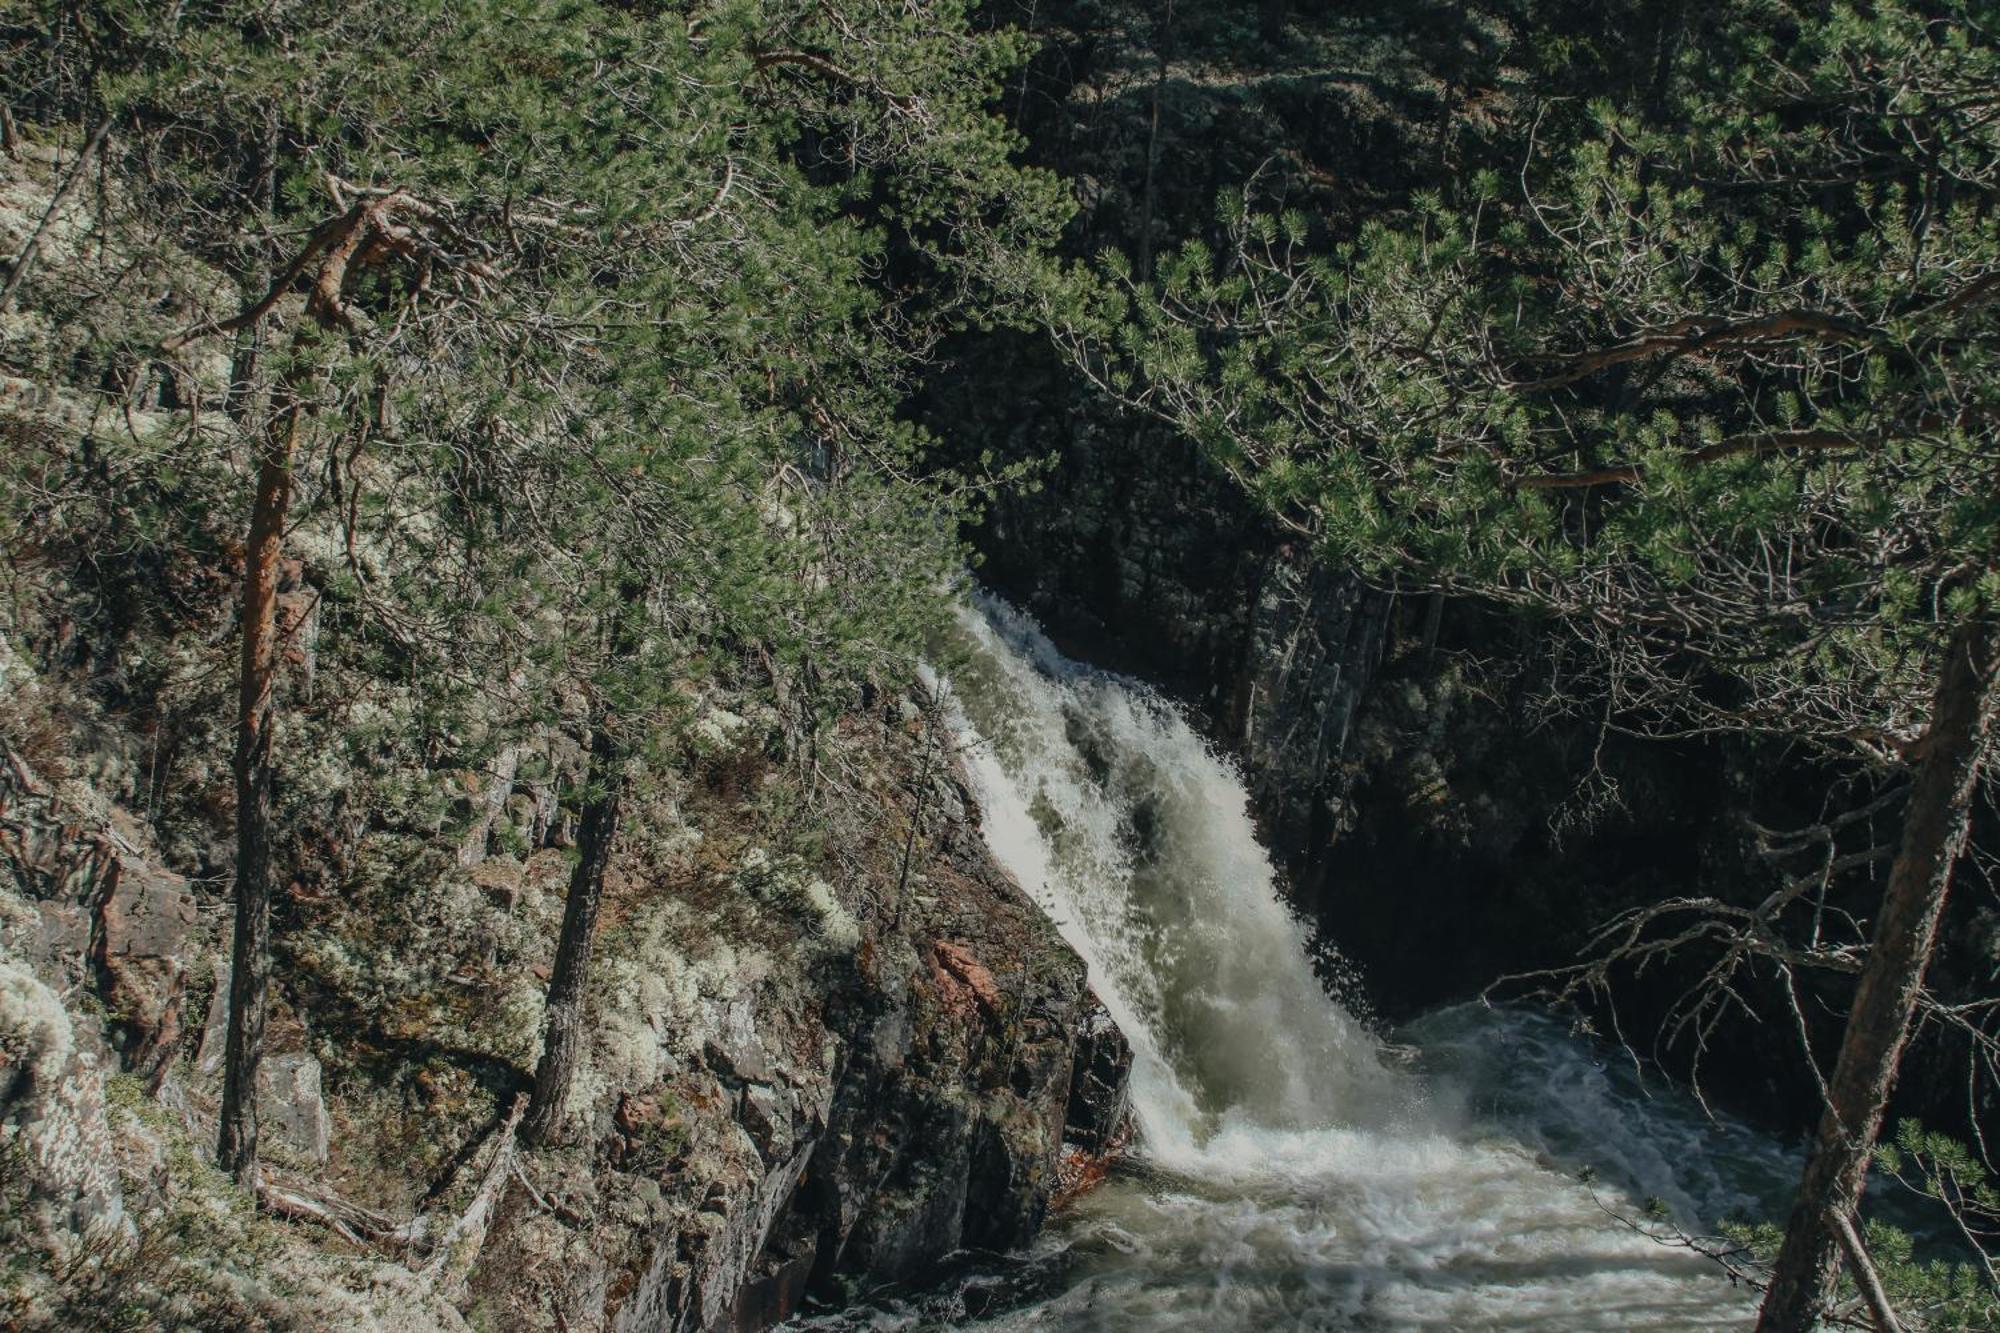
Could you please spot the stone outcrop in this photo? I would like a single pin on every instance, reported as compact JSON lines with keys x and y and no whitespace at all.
{"x":291,"y":1111}
{"x":55,"y":1145}
{"x":103,"y":908}
{"x":852,"y":1102}
{"x":849,"y":1128}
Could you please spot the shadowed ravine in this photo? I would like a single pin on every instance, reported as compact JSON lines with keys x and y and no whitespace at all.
{"x":1291,"y":1171}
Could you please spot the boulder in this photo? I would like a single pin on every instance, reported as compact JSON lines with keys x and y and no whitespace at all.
{"x":138,"y":946}
{"x":291,"y":1114}
{"x":1099,"y":1111}
{"x":52,"y":1117}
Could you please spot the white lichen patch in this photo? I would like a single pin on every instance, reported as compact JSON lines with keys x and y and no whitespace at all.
{"x":716,"y":731}
{"x":55,"y":1118}
{"x":655,"y":982}
{"x":788,"y":885}
{"x":837,"y":925}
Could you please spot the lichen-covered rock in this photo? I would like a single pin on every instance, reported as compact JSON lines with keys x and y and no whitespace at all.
{"x":831,"y":1043}
{"x":53,"y":1130}
{"x":925,"y":1113}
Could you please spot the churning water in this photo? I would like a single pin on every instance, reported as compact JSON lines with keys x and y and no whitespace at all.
{"x":1290,"y":1170}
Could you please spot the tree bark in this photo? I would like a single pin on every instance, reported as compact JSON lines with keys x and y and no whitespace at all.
{"x":1863,"y":1272}
{"x":563,"y":1036}
{"x":1934,"y":830}
{"x":1271,"y":15}
{"x":250,"y":966}
{"x":334,"y":246}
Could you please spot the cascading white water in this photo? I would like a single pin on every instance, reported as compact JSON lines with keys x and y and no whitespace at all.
{"x":1285,"y":1176}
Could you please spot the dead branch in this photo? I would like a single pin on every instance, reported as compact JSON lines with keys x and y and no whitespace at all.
{"x":1698,"y":333}
{"x":374,"y":227}
{"x":1764,"y":442}
{"x":765,"y":61}
{"x":303,"y":1201}
{"x":25,"y":260}
{"x":1865,"y":1277}
{"x":461,"y":1241}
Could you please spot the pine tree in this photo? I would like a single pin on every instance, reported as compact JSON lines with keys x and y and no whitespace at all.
{"x":603,"y":293}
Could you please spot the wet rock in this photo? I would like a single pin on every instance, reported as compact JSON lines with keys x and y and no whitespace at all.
{"x":1100,"y":1107}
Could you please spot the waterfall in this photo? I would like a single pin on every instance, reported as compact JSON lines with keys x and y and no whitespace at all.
{"x":1287,"y":1174}
{"x":1137,"y":840}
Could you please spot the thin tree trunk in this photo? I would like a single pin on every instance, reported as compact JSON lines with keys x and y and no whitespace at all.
{"x":916,"y":819}
{"x":250,"y":338}
{"x":25,"y":260}
{"x":1433,"y":623}
{"x":563,"y":1037}
{"x":1865,"y":1276}
{"x":1163,"y":43}
{"x":250,"y":967}
{"x":1271,"y":15}
{"x":335,"y":244}
{"x":1934,"y":829}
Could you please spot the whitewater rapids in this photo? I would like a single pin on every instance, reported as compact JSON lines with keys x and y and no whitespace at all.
{"x":1288,"y":1173}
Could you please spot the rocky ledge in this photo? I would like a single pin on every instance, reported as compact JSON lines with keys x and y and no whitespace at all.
{"x":797,"y":1092}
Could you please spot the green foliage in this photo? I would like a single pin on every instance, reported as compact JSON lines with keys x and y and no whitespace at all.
{"x":642,"y":362}
{"x":1713,"y":376}
{"x":1946,"y":1285}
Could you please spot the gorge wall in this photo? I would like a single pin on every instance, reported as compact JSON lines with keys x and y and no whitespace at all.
{"x":1441,"y":825}
{"x":795,"y":1089}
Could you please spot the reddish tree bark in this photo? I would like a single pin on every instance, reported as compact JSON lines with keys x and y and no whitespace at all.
{"x":1878,"y":1024}
{"x":250,"y":950}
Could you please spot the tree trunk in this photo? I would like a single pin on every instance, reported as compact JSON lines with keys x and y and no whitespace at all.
{"x":1271,"y":15}
{"x":563,"y":1036}
{"x":1934,"y":829}
{"x":1163,"y":50}
{"x":336,"y":243}
{"x":24,"y":260}
{"x":250,"y":966}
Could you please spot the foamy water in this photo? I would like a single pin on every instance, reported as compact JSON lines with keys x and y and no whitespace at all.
{"x":1287,"y":1174}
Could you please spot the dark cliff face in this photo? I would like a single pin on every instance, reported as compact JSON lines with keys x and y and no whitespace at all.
{"x":1440,"y":825}
{"x":1140,"y":557}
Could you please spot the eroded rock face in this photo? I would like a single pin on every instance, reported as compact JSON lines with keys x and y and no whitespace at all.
{"x":1141,"y":556}
{"x":835,"y":1088}
{"x":140,"y":948}
{"x":97,"y":896}
{"x":927,"y":1112}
